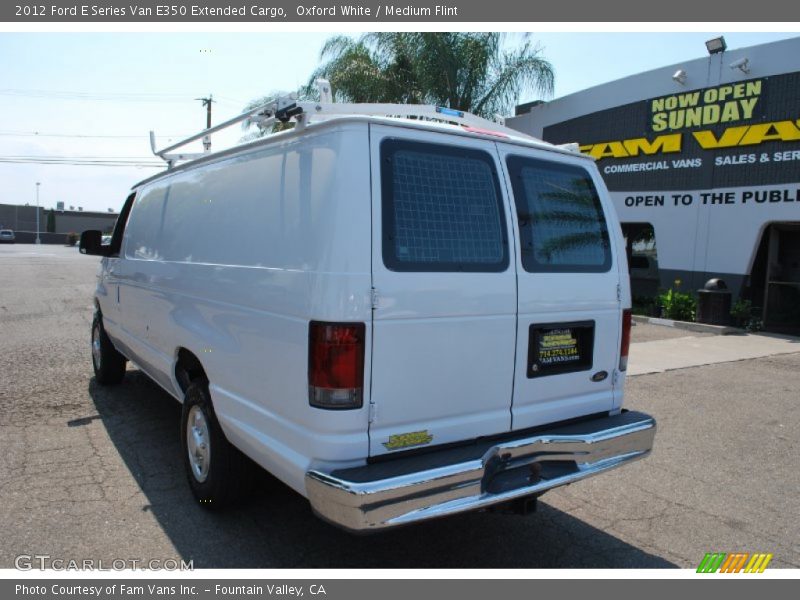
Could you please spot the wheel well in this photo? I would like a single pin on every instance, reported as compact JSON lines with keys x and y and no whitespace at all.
{"x":187,"y":368}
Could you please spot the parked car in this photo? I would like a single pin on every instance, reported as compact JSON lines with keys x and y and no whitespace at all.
{"x":400,"y":319}
{"x":645,"y":278}
{"x":7,"y":236}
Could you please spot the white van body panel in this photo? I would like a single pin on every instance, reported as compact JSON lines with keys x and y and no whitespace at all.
{"x":230,"y":258}
{"x":247,"y":317}
{"x":618,"y":239}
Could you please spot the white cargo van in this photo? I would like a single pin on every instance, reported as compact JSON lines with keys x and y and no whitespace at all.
{"x":399,"y":318}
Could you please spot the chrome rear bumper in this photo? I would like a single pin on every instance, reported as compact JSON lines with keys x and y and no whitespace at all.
{"x":449,"y":481}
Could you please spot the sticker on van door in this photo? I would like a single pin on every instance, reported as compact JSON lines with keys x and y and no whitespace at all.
{"x":557,"y":348}
{"x":408,"y":440}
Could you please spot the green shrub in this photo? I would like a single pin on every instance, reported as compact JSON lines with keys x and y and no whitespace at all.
{"x":741,"y":312}
{"x":678,"y":305}
{"x":72,"y":238}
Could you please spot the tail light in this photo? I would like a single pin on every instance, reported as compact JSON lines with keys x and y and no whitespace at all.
{"x":626,"y":339}
{"x":336,"y":365}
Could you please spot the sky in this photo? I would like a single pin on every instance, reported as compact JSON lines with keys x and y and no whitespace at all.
{"x":97,"y":95}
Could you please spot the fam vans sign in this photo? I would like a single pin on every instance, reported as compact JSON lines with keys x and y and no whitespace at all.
{"x":745,"y":133}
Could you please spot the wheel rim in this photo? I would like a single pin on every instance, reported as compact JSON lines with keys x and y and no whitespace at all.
{"x":97,"y":352}
{"x":198,"y":444}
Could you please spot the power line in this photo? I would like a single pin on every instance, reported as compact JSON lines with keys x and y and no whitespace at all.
{"x":99,"y":96}
{"x":81,"y":161}
{"x":110,"y":96}
{"x":230,"y":101}
{"x":81,"y":164}
{"x":78,"y":162}
{"x":88,"y":136}
{"x":84,"y":93}
{"x":136,"y":159}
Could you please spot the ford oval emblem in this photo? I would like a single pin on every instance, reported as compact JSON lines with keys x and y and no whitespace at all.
{"x":599,"y":376}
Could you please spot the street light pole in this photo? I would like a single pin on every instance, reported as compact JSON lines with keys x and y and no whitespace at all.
{"x":38,"y":241}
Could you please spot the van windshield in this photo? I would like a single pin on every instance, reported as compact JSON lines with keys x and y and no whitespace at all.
{"x":561,"y":223}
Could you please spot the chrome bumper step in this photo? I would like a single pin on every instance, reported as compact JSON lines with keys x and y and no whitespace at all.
{"x":445,"y":482}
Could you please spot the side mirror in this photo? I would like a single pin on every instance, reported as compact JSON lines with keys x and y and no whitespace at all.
{"x":91,"y":243}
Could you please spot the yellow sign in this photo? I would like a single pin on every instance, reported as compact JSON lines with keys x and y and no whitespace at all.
{"x":407,"y":440}
{"x":731,"y":137}
{"x":722,"y":104}
{"x":558,"y":345}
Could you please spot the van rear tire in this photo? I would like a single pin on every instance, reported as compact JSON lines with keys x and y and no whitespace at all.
{"x":108,"y":364}
{"x":217,"y":471}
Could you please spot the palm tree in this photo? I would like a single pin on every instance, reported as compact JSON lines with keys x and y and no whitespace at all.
{"x":462,"y":70}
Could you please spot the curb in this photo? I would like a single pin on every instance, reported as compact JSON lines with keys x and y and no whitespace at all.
{"x":697,"y":327}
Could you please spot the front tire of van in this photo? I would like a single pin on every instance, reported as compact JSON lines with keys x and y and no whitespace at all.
{"x":216,"y":470}
{"x":109,"y":365}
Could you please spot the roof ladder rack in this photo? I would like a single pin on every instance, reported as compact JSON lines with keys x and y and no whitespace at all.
{"x":286,"y":108}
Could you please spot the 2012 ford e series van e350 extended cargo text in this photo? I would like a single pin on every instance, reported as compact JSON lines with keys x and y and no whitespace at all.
{"x":399,"y":318}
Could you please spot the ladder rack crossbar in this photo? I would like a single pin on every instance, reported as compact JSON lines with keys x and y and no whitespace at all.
{"x":286,"y":108}
{"x":224,"y":125}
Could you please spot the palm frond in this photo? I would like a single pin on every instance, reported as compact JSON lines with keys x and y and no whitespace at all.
{"x":468,"y":71}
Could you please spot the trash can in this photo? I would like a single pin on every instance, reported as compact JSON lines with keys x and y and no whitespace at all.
{"x":714,"y":303}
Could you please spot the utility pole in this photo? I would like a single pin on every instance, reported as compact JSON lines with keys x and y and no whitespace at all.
{"x":207,"y":104}
{"x":38,"y":240}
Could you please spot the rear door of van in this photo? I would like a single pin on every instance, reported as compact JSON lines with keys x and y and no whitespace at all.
{"x":444,"y":318}
{"x":569,"y":295}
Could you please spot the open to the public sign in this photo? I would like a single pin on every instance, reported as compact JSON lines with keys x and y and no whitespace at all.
{"x":560,"y":348}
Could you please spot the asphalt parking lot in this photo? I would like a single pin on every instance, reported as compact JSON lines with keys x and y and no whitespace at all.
{"x":95,"y":473}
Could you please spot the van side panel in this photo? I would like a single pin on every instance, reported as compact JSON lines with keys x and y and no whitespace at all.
{"x":248,"y":250}
{"x":615,"y":230}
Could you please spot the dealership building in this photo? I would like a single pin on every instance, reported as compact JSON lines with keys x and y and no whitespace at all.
{"x":702,"y":160}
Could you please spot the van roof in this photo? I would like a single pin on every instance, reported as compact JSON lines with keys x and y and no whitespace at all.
{"x":427,"y":125}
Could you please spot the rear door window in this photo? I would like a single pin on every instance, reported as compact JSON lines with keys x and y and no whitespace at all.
{"x":561,"y":223}
{"x":442,"y":209}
